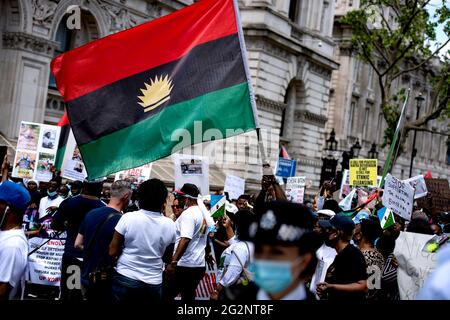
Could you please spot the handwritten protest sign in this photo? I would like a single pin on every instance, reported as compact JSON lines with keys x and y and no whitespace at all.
{"x":398,"y":196}
{"x":36,"y":151}
{"x":235,"y":186}
{"x":363,"y":172}
{"x":419,"y":185}
{"x":45,"y":264}
{"x":295,"y":189}
{"x":438,"y":196}
{"x":414,"y":265}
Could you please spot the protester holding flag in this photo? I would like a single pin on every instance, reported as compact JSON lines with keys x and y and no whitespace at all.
{"x":188,"y":263}
{"x":140,"y":240}
{"x":13,"y":243}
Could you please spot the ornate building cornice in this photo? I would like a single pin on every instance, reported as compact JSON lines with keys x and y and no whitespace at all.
{"x":313,"y":118}
{"x":265,"y":46}
{"x":28,"y":42}
{"x":320,"y":70}
{"x":269,"y":105}
{"x":307,"y":162}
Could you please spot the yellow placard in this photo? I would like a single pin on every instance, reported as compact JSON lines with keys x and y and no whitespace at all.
{"x":363,"y":172}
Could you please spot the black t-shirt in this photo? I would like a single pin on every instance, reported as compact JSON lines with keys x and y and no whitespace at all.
{"x":98,"y":250}
{"x":72,"y":211}
{"x":349,"y":266}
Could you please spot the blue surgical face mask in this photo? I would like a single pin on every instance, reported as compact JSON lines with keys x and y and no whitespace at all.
{"x":272,"y":276}
{"x":52,"y":194}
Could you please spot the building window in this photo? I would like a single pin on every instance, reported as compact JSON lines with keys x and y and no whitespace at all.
{"x":356,"y":69}
{"x":370,"y":78}
{"x":448,"y":151}
{"x":64,"y":37}
{"x":366,"y":123}
{"x":380,"y":126}
{"x":351,"y":118}
{"x":293,"y":8}
{"x":324,"y":20}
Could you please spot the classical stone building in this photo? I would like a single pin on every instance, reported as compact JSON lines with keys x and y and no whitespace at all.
{"x":354,"y":110}
{"x":290,"y":49}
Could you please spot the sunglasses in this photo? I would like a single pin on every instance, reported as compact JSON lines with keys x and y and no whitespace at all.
{"x":177,"y":207}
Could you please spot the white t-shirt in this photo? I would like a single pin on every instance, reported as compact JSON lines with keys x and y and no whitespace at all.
{"x":13,"y":258}
{"x":325,"y":257}
{"x":47,"y":203}
{"x":229,"y":261}
{"x":191,"y":224}
{"x":147,"y":235}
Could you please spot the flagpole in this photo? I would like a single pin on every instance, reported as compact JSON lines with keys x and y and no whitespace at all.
{"x":394,"y":140}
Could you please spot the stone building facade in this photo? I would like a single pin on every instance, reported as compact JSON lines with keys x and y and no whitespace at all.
{"x":290,"y":50}
{"x":354,"y":110}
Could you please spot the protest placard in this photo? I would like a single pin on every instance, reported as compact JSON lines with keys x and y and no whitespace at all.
{"x":44,"y":265}
{"x":36,"y":151}
{"x":235,"y":186}
{"x":419,"y":185}
{"x":137,"y":175}
{"x":191,"y":169}
{"x":363,"y":172}
{"x":286,"y":168}
{"x":438,"y":196}
{"x":414,"y":265}
{"x":345,"y":185}
{"x":295,"y":189}
{"x":72,"y":166}
{"x":398,"y":196}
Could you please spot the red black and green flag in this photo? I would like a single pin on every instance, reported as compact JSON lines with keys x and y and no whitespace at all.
{"x":127,"y":93}
{"x":65,"y":130}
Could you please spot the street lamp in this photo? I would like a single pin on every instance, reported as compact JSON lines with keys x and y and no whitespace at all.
{"x":355,"y":149}
{"x":373,"y":153}
{"x":331,"y":143}
{"x":419,"y":100}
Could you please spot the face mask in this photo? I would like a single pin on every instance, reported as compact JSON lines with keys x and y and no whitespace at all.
{"x":52,"y":194}
{"x":272,"y":276}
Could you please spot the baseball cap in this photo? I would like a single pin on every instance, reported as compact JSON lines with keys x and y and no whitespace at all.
{"x":360,"y":216}
{"x":188,"y":190}
{"x":326,"y":212}
{"x":339,"y":222}
{"x":14,"y":195}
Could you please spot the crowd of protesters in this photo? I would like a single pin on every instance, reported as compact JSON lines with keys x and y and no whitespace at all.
{"x":150,"y":244}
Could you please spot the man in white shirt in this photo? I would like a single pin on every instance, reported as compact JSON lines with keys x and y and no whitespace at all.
{"x":140,"y":241}
{"x":13,"y":243}
{"x":187,"y":267}
{"x":51,"y":202}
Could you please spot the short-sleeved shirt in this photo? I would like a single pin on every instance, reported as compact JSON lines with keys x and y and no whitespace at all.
{"x":98,"y":256}
{"x":192,"y":225}
{"x":349,"y":266}
{"x":13,"y":258}
{"x":73,"y":211}
{"x":147,"y":235}
{"x":46,"y":203}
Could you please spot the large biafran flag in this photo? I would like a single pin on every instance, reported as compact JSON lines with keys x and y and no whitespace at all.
{"x":127,"y":93}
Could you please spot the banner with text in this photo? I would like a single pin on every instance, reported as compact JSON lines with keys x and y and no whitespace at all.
{"x":295,"y":189}
{"x":45,"y":264}
{"x":398,"y":196}
{"x":137,"y":175}
{"x":363,"y":172}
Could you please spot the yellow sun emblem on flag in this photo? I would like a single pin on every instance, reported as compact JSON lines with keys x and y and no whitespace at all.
{"x":155,"y":93}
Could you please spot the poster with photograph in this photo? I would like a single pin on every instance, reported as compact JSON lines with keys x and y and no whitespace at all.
{"x":37,"y":145}
{"x":44,"y":166}
{"x":72,"y":167}
{"x":191,"y":169}
{"x":136,"y":175}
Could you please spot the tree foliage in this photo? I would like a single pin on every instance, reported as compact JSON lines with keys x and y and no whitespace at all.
{"x":394,"y":37}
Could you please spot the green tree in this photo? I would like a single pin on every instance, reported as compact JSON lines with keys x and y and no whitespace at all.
{"x":394,"y":37}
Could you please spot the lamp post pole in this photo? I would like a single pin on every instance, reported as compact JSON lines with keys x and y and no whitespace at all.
{"x":419,"y":100}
